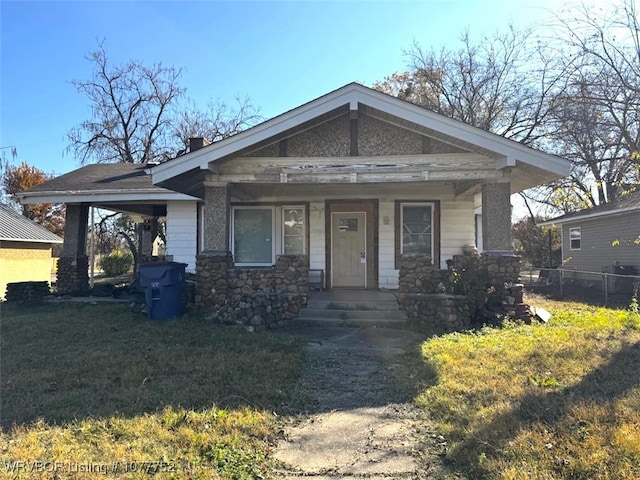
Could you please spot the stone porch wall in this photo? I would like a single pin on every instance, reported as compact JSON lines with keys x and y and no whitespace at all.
{"x":257,"y":296}
{"x":423,"y":288}
{"x":438,"y":312}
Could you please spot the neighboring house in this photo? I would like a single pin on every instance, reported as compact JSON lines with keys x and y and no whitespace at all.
{"x":605,"y":238}
{"x":350,"y":183}
{"x":25,"y":249}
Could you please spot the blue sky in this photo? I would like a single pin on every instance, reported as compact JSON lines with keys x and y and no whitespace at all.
{"x":279,"y":54}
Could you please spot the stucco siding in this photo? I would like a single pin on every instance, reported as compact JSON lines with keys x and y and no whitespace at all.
{"x":376,"y":137}
{"x":182,"y":233}
{"x":329,"y":139}
{"x":605,"y":241}
{"x":23,"y":262}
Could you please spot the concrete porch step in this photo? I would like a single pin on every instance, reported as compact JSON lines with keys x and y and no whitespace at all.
{"x":348,"y":322}
{"x":351,"y":308}
{"x":385,"y":304}
{"x":352,"y":314}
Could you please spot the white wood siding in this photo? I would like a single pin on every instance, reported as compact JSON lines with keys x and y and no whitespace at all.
{"x":182,"y":233}
{"x":597,"y":243}
{"x":387,"y":273}
{"x":317,"y":236}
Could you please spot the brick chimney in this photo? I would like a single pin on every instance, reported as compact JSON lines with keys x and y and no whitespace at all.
{"x":196,"y":143}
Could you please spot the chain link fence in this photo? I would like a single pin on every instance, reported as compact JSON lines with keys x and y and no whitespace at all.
{"x":592,"y":287}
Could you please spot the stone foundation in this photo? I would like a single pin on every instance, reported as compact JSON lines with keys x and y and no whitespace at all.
{"x":27,"y":292}
{"x":257,"y":296}
{"x":438,"y":313}
{"x":72,"y":275}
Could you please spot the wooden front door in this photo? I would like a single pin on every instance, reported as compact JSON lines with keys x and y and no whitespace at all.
{"x":349,"y":249}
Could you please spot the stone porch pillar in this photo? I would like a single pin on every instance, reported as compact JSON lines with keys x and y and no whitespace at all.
{"x":496,"y":218}
{"x":73,"y":277}
{"x":147,"y":233}
{"x":503,"y":267}
{"x":217,"y":214}
{"x":214,"y":261}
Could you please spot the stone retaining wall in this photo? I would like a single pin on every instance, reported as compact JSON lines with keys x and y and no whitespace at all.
{"x":438,"y":313}
{"x":72,"y":275}
{"x":27,"y":292}
{"x":253,"y":296}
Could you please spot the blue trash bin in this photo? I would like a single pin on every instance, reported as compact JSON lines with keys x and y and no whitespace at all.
{"x":163,"y":283}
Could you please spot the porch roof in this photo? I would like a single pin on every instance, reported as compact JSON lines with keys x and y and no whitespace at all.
{"x":523,"y":166}
{"x":106,"y":185}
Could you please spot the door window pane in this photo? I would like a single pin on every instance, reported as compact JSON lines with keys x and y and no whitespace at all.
{"x":252,"y":235}
{"x":293,"y":236}
{"x":348,"y":225}
{"x":416,"y":230}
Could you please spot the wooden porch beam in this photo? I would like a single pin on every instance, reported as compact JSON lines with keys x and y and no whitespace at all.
{"x":356,"y":164}
{"x":399,"y":175}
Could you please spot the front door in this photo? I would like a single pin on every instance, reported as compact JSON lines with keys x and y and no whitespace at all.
{"x":349,"y":251}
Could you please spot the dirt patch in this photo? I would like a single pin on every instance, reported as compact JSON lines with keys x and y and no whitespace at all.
{"x":362,"y":422}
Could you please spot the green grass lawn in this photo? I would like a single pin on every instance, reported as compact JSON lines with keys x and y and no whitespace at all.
{"x":94,"y":387}
{"x":552,"y":401}
{"x":91,"y":385}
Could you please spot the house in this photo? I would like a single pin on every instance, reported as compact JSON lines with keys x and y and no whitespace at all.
{"x":605,"y":238}
{"x":354,"y":184}
{"x":25,"y":249}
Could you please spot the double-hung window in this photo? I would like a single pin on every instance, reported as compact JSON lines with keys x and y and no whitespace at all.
{"x":293,"y":230}
{"x":416,"y":220}
{"x":575,"y":238}
{"x":260,"y":233}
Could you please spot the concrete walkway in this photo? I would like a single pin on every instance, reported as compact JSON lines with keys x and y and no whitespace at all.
{"x":364,"y":424}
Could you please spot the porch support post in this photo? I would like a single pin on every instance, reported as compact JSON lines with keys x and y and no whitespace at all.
{"x":216,"y":219}
{"x":73,"y":264}
{"x":214,"y":262}
{"x":496,"y":218}
{"x":148,"y":231}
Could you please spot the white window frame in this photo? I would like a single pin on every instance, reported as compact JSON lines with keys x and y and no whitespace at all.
{"x":273,"y":233}
{"x":277,"y":226}
{"x":417,"y":204}
{"x":304,"y":227}
{"x":579,"y":238}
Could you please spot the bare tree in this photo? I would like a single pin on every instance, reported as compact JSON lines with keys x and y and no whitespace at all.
{"x":595,"y":120}
{"x":217,"y":122}
{"x":490,"y":84}
{"x":131,"y":111}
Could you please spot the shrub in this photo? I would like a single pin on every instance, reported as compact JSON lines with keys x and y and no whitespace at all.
{"x":117,"y":263}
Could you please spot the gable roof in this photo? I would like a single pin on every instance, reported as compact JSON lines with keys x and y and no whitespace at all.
{"x":629,"y":202}
{"x":101,"y":182}
{"x":508,"y":153}
{"x":17,"y":228}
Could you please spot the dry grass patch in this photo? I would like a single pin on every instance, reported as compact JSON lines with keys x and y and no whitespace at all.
{"x":93,"y":385}
{"x":542,"y":401}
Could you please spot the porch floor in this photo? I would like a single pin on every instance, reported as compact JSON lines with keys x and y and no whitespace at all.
{"x":348,"y":307}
